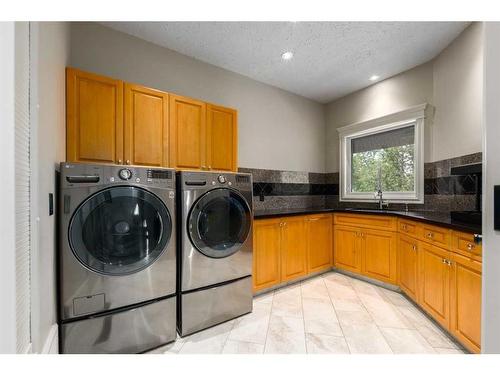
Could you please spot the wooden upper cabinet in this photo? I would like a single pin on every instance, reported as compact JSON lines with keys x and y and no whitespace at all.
{"x":222,"y":138}
{"x":435,"y":282}
{"x":266,"y":253}
{"x":347,"y":244}
{"x":408,"y":265}
{"x":187,"y":133}
{"x":146,"y":126}
{"x":465,"y":305}
{"x":319,"y":242}
{"x":379,"y":255}
{"x":94,"y":118}
{"x":293,"y":248}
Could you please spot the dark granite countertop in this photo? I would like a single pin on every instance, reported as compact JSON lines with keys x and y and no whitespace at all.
{"x":432,"y":217}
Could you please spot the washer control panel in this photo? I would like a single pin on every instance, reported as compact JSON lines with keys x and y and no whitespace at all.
{"x":125,"y":174}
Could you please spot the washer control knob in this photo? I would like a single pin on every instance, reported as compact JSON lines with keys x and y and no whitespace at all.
{"x":222,"y":179}
{"x":125,"y":174}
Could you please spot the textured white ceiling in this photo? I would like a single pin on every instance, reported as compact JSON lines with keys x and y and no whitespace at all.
{"x":331,"y":59}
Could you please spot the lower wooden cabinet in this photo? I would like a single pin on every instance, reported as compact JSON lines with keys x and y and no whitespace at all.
{"x":465,"y":301}
{"x":289,"y":248}
{"x":266,"y":253}
{"x":319,"y":232}
{"x":434,"y":280}
{"x":378,"y":255}
{"x":367,"y":251}
{"x":408,"y":265}
{"x":347,"y":248}
{"x":444,"y":281}
{"x":293,"y":248}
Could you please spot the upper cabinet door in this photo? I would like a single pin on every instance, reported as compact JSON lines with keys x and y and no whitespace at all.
{"x":94,"y":115}
{"x":146,"y":126}
{"x":187,"y":133}
{"x":222,"y":138}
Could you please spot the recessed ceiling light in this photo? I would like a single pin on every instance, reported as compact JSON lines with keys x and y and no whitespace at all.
{"x":374,"y":78}
{"x":287,"y":55}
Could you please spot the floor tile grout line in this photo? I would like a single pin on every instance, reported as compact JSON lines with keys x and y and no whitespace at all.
{"x":372,"y":317}
{"x":338,"y":320}
{"x":269,"y":322}
{"x":303,"y":318}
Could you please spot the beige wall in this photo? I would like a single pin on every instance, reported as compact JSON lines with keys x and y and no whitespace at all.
{"x":458,"y":92}
{"x":53,"y":45}
{"x":277,"y":129}
{"x":405,"y":90}
{"x":452,"y":83}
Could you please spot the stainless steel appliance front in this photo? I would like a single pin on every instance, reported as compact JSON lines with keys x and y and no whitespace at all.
{"x":129,"y":331}
{"x":215,"y":248}
{"x":199,"y":269}
{"x":117,"y":238}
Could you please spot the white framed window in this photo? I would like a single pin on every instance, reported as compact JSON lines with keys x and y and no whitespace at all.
{"x":384,"y":154}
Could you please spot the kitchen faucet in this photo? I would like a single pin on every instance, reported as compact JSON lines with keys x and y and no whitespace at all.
{"x":379,"y":194}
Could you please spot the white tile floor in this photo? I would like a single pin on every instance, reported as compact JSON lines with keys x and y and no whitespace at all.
{"x":331,"y":313}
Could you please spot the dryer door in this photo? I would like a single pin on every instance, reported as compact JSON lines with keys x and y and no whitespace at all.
{"x":219,"y":223}
{"x":120,"y":230}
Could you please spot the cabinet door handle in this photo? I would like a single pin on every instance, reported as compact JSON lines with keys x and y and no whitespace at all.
{"x":209,"y":167}
{"x":120,"y":161}
{"x":404,"y":226}
{"x":444,"y":261}
{"x":430,"y":235}
{"x":470,"y":246}
{"x":128,"y":162}
{"x":414,"y":247}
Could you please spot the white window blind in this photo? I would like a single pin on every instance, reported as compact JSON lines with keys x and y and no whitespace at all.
{"x":22,"y":194}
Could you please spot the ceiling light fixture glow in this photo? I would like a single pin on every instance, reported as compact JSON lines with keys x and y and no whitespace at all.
{"x":287,"y":55}
{"x":374,"y":77}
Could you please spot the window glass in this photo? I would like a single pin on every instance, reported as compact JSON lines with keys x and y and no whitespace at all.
{"x":384,"y":161}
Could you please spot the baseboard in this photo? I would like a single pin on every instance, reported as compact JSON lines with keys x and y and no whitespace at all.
{"x":382,"y":284}
{"x":51,"y":345}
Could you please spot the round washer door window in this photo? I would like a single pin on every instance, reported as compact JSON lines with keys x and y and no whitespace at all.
{"x":219,"y":223}
{"x":120,"y":230}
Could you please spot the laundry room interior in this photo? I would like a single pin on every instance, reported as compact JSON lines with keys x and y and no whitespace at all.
{"x":251,"y":187}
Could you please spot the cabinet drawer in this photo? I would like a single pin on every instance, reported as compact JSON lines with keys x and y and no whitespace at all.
{"x":463,"y":243}
{"x":435,"y":235}
{"x":366,"y":221}
{"x":410,"y":228}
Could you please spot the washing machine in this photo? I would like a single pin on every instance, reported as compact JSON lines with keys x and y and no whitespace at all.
{"x":215,"y":248}
{"x":116,"y":258}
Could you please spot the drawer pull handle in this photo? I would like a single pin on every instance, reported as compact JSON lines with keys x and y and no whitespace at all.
{"x":470,"y":246}
{"x":414,"y":247}
{"x":430,"y":235}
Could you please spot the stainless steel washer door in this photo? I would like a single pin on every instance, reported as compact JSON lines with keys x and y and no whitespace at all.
{"x":219,"y":223}
{"x":120,"y":230}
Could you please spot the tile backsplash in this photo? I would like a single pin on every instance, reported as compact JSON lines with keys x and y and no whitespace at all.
{"x":289,"y":189}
